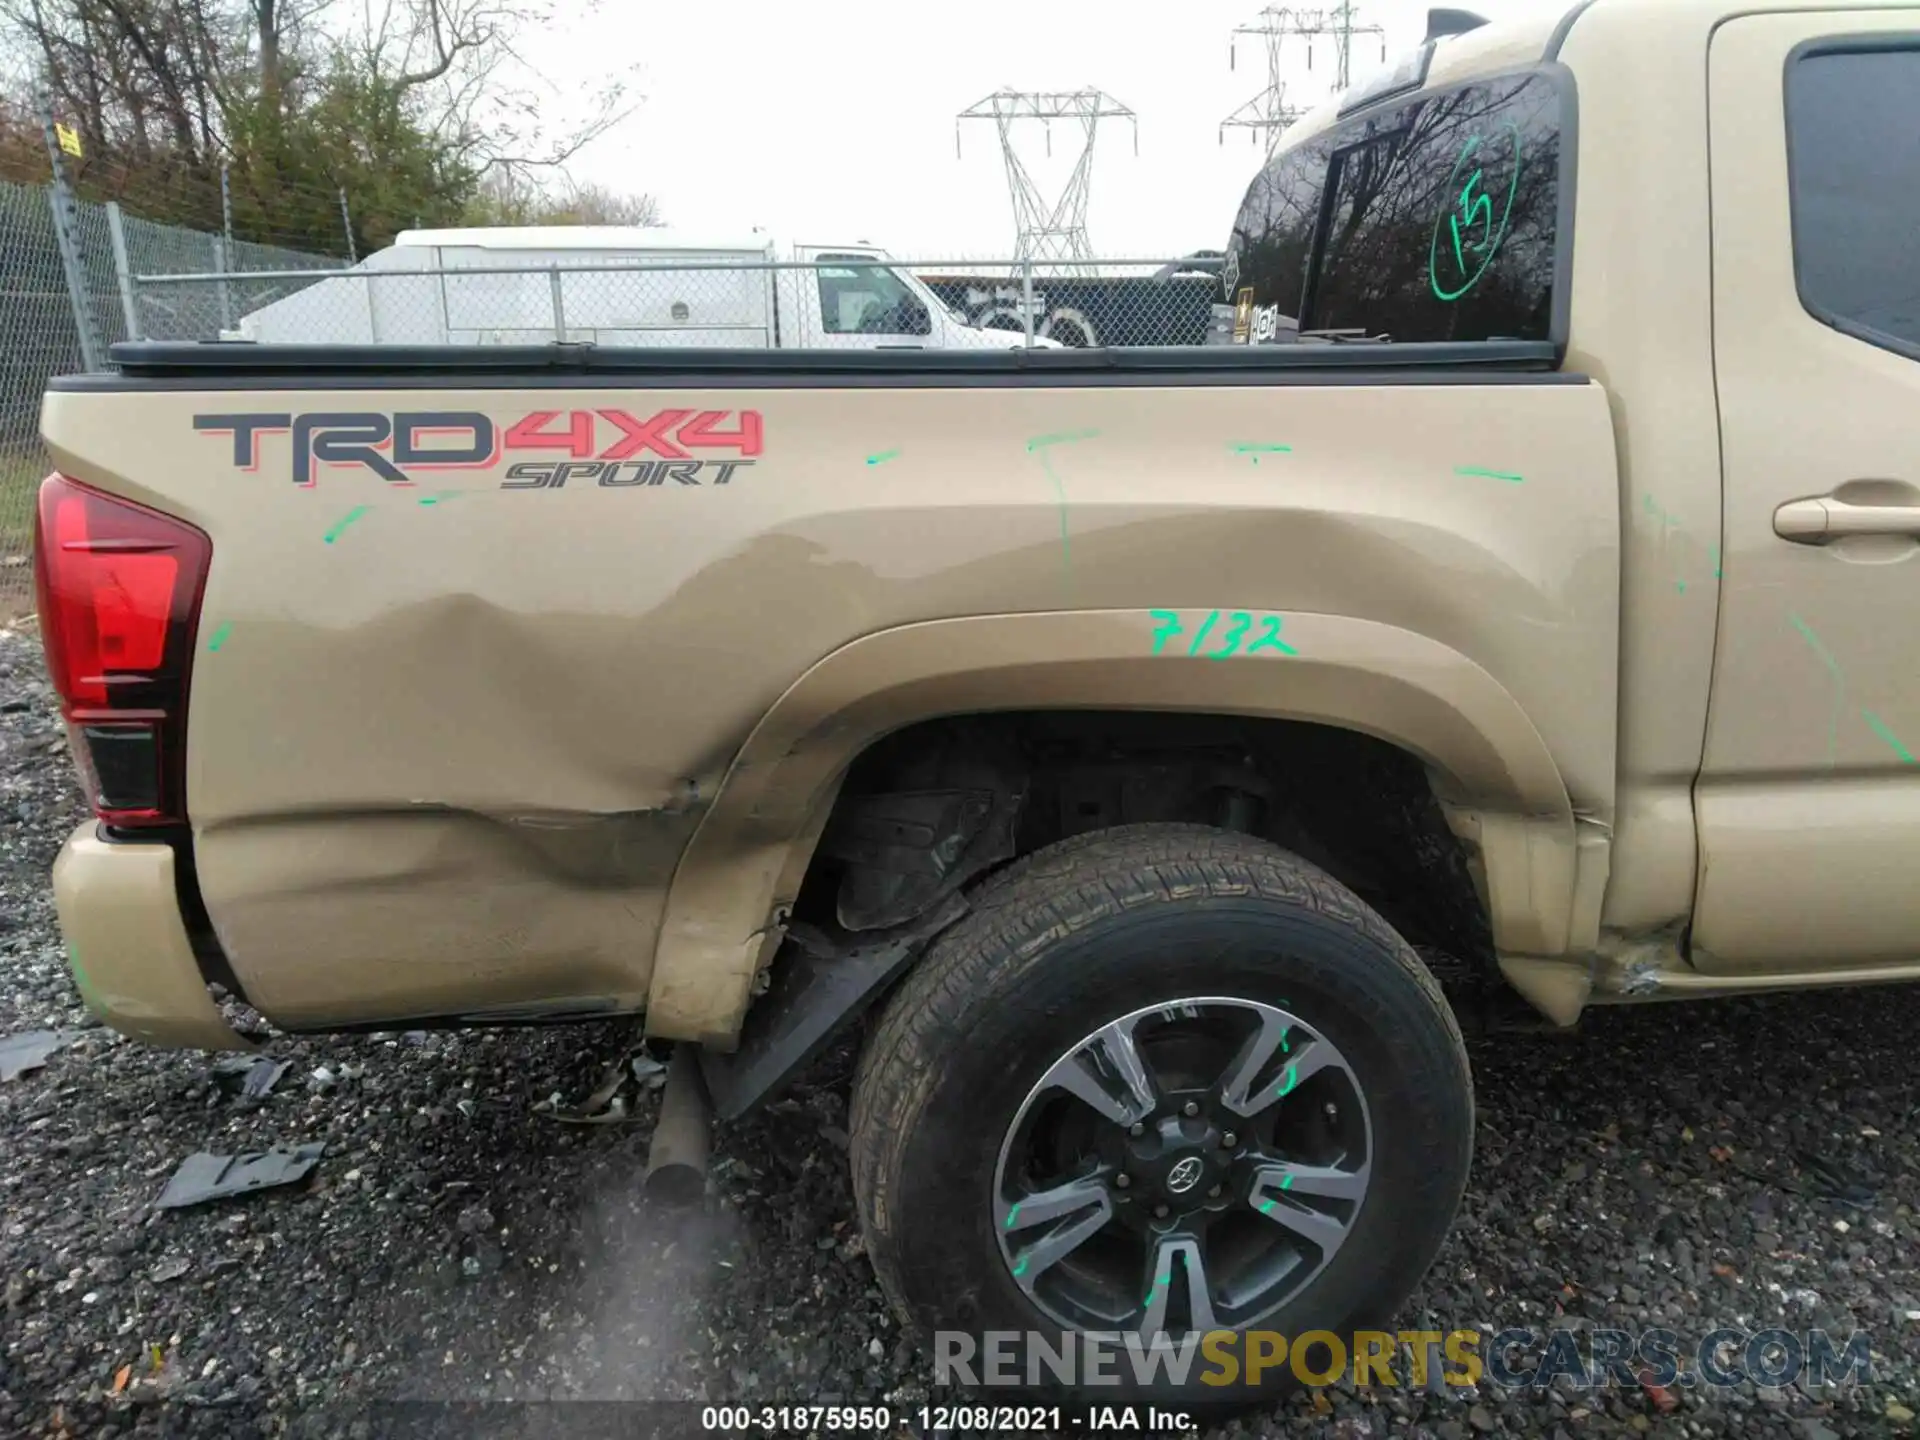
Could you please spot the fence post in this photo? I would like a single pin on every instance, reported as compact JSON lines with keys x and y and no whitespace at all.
{"x":66,"y":233}
{"x":346,"y":224}
{"x":559,"y":305}
{"x":123,"y":269}
{"x":1026,"y":297}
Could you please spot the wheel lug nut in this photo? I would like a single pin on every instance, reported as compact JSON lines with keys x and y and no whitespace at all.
{"x":1190,"y":1109}
{"x":1136,"y":1128}
{"x":1123,"y":1180}
{"x":1333,"y":1111}
{"x":1214,"y":1194}
{"x":1160,"y":1210}
{"x":1229,"y":1140}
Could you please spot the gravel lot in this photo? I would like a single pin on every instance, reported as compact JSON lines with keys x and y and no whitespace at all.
{"x":454,"y":1243}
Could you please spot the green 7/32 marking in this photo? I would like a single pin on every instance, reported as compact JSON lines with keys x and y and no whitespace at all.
{"x":1168,"y":625}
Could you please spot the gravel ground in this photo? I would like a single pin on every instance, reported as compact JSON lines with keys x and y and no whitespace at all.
{"x":454,"y":1243}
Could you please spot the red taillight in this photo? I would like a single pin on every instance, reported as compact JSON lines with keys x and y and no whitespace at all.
{"x":118,"y":587}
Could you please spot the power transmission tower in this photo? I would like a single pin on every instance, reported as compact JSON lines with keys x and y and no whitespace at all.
{"x":1052,"y":232}
{"x":1269,"y":111}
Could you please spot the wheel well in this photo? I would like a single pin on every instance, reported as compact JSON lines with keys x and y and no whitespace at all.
{"x":940,"y":804}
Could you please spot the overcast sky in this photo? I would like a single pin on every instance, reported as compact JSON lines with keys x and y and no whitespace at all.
{"x":833,"y":122}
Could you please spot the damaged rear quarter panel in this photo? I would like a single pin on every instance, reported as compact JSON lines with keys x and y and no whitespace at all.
{"x":449,"y":759}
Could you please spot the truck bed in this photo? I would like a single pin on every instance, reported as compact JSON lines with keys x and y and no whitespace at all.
{"x":465,"y":747}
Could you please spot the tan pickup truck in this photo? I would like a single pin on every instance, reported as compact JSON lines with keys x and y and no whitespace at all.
{"x":1130,"y":737}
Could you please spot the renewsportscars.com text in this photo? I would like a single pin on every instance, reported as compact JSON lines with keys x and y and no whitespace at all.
{"x":1512,"y":1358}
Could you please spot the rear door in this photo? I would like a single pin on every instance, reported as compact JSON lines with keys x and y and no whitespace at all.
{"x":1809,"y":798}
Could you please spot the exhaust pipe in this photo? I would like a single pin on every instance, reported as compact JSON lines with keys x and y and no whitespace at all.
{"x":677,"y":1159}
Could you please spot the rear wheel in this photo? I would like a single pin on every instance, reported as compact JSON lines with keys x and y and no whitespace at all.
{"x":1162,"y":1081}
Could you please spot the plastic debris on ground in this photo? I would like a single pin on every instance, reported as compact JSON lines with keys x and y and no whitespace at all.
{"x":29,"y":1050}
{"x":204,"y":1177}
{"x":249,"y":1075}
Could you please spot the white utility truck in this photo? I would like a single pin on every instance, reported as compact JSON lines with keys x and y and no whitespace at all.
{"x":619,"y":286}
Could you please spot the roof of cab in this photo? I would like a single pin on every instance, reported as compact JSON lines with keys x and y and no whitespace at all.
{"x":1490,"y":49}
{"x":584,"y":237}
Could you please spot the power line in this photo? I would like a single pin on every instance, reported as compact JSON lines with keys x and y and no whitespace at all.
{"x":1056,"y":231}
{"x":1269,"y":113}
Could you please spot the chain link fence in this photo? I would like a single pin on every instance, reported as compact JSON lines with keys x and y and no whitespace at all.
{"x":134,"y":279}
{"x":462,"y":294}
{"x":43,"y":319}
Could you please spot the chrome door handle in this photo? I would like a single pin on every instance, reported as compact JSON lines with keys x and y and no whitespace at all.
{"x":1814,"y":522}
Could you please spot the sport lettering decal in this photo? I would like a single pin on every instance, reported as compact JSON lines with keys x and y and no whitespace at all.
{"x":601,"y":446}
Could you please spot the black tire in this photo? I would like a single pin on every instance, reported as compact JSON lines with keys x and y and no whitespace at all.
{"x":1097,"y":927}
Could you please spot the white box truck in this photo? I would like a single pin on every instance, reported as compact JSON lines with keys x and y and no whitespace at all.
{"x":618,"y":286}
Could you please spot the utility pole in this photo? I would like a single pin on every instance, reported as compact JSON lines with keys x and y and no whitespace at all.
{"x":1057,"y":231}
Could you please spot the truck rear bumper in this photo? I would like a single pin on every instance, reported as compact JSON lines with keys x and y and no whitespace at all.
{"x":128,"y":946}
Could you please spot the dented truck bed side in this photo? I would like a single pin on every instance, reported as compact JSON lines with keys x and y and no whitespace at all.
{"x":525,"y":694}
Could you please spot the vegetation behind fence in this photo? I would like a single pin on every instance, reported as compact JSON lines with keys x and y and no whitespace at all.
{"x":41,"y":318}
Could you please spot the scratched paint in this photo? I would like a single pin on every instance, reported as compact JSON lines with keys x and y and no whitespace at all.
{"x":352,"y":515}
{"x":219,"y":637}
{"x":883,"y":456}
{"x":1879,"y":728}
{"x":1480,"y":472}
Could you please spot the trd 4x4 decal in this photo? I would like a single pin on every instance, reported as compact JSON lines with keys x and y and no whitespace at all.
{"x":617,"y":448}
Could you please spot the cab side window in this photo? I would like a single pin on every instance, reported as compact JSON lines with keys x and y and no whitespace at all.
{"x":868,"y":299}
{"x":1853,"y":153}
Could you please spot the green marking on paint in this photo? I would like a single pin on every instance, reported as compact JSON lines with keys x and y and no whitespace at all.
{"x":1060,"y":498}
{"x":884,"y":456}
{"x":1484,"y":474}
{"x":443,"y":496}
{"x":1287,"y":1184}
{"x":1201,"y":638}
{"x":352,"y":515}
{"x":1254,"y":452}
{"x":1681,"y":585}
{"x":218,"y":639}
{"x":1713,"y":552}
{"x":1021,"y":1268}
{"x":1039,"y":445}
{"x":1266,"y":1206}
{"x":1806,"y":633}
{"x":1880,"y":729}
{"x":80,"y":979}
{"x":1014,"y":1213}
{"x":1293,"y":1079}
{"x":1284,"y":1046}
{"x":1063,"y":437}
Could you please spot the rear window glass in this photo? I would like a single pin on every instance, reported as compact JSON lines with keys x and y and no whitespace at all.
{"x":1436,"y":220}
{"x":1856,"y":206}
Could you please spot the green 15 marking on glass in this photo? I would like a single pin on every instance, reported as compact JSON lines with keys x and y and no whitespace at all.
{"x":1268,"y":638}
{"x":1467,"y":231}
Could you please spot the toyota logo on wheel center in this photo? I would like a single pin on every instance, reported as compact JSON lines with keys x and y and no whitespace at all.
{"x":1184,"y":1176}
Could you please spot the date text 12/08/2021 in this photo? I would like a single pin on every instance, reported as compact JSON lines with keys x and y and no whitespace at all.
{"x":944,"y":1419}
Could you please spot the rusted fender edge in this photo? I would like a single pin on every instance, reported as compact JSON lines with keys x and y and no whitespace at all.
{"x":744,"y":864}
